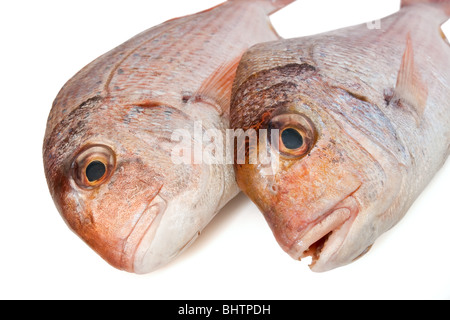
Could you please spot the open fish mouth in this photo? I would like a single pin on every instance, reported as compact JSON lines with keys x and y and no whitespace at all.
{"x":326,"y":234}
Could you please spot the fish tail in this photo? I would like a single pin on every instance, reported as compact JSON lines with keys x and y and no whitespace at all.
{"x":444,"y":4}
{"x":270,"y":6}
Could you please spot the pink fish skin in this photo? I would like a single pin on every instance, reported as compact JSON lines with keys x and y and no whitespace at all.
{"x":107,"y":147}
{"x":364,"y":120}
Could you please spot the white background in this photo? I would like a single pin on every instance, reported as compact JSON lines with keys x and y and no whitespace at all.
{"x":43,"y":43}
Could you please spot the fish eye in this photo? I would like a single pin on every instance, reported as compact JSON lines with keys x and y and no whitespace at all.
{"x":291,"y":138}
{"x":95,"y":171}
{"x":93,"y":166}
{"x":297,"y":134}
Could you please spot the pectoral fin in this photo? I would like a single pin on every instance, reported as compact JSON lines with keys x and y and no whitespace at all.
{"x":410,"y":88}
{"x":216,"y":89}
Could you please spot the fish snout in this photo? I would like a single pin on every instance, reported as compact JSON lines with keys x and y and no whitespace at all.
{"x":322,"y":239}
{"x":310,"y":208}
{"x":111,"y":202}
{"x":116,"y":233}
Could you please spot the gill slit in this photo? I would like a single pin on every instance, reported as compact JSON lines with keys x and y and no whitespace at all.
{"x":332,"y":115}
{"x":398,"y":134}
{"x":402,"y":186}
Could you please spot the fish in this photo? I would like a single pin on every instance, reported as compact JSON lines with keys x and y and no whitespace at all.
{"x":109,"y":141}
{"x":357,"y":123}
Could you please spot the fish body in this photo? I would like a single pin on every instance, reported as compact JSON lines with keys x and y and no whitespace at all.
{"x":108,"y":144}
{"x":363,"y":116}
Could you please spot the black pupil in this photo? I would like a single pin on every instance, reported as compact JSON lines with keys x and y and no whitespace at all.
{"x":292,"y":139}
{"x":95,"y":171}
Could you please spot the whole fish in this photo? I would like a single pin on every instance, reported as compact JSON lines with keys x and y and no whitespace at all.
{"x":109,"y":139}
{"x":363,"y":122}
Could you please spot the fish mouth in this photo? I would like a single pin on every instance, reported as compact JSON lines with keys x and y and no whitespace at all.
{"x":142,"y":231}
{"x":323,"y":237}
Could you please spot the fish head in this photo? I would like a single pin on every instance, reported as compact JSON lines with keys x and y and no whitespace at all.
{"x":110,"y":173}
{"x":319,"y":188}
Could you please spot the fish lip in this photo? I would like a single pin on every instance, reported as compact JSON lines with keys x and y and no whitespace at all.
{"x":146,"y":220}
{"x":332,"y":221}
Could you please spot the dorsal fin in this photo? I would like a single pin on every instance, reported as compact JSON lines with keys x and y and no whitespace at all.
{"x":217,"y":87}
{"x":410,"y":88}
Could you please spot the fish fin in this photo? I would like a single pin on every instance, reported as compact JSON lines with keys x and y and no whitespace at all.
{"x":410,"y":88}
{"x":443,"y":36}
{"x":216,"y":89}
{"x":444,"y":4}
{"x":270,"y":6}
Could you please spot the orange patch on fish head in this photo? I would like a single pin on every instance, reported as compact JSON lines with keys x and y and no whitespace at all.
{"x":113,"y":215}
{"x":310,"y":182}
